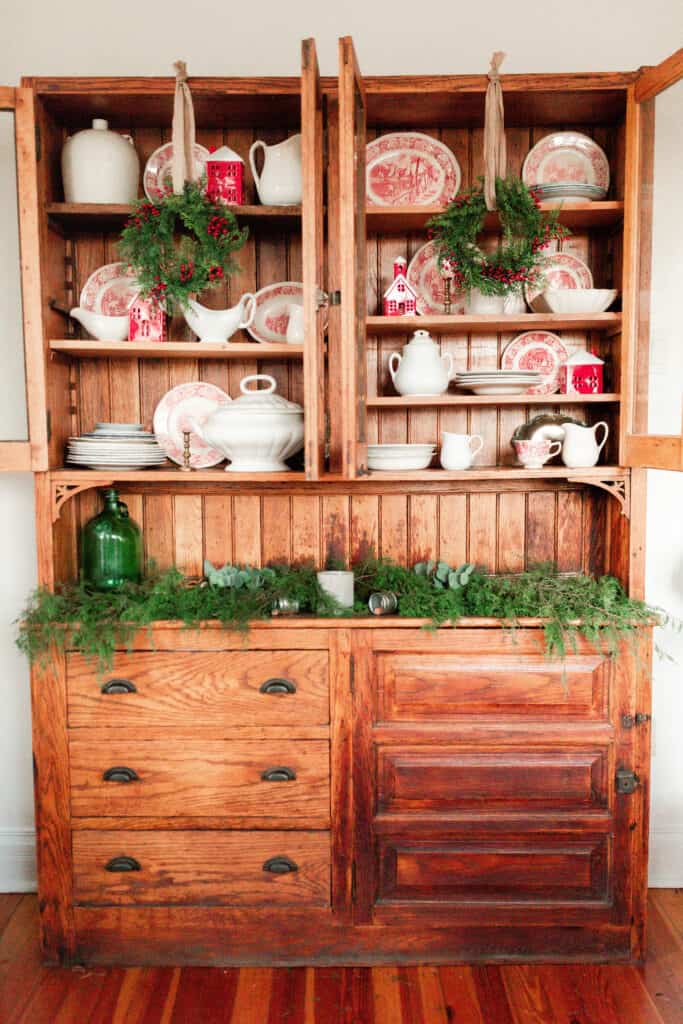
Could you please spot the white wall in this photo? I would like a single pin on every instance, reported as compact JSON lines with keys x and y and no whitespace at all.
{"x":44,"y":38}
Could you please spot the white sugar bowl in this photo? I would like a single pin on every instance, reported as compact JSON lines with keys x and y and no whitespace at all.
{"x":257,"y":431}
{"x":99,"y":166}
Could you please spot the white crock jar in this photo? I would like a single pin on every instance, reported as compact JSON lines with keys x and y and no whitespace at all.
{"x":99,"y":166}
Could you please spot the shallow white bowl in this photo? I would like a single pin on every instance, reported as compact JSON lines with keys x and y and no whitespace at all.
{"x":574,"y":300}
{"x":399,"y":464}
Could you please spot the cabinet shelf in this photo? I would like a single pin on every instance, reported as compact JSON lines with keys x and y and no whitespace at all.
{"x":84,"y":349}
{"x":471,"y":324}
{"x":103,"y":216}
{"x":169,"y":474}
{"x":449,"y":401}
{"x":503,"y":473}
{"x":413,"y":218}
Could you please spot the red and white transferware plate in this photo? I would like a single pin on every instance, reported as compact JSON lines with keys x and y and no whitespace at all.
{"x":424,"y":276}
{"x":109,"y":290}
{"x":540,"y":351}
{"x":563,"y":157}
{"x":412,"y":169}
{"x":172,"y":416}
{"x":158,"y":175}
{"x":560,"y":270}
{"x":272,"y":313}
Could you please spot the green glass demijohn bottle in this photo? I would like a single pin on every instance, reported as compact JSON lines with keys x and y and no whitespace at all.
{"x":111,"y":546}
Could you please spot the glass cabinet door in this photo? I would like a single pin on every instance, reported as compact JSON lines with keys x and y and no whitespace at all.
{"x":23,"y":427}
{"x":653,"y":399}
{"x":352,"y":385}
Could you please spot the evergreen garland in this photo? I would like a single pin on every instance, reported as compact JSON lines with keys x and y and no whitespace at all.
{"x":181,"y":245}
{"x":526,"y":233}
{"x":95,"y":623}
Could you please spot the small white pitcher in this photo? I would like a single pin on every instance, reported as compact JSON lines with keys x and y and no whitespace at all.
{"x":457,"y":451}
{"x":280,"y":180}
{"x":295,"y":324}
{"x":580,"y":448}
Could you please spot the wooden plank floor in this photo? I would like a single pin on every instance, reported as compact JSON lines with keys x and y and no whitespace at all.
{"x":32,"y":994}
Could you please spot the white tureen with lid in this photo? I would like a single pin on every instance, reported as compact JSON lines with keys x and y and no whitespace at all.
{"x":257,"y":431}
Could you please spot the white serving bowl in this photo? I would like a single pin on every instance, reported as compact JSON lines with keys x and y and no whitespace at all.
{"x":399,"y":457}
{"x":574,"y":300}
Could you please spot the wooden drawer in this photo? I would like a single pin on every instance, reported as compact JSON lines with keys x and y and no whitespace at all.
{"x":201,"y":688}
{"x":201,"y":778}
{"x":449,"y":779}
{"x":514,"y":869}
{"x":207,"y":868}
{"x":418,"y":686}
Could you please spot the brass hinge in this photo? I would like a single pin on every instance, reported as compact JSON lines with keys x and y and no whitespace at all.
{"x":352,"y":674}
{"x":353,"y":881}
{"x":626,"y":781}
{"x":39,"y":143}
{"x":640,"y":718}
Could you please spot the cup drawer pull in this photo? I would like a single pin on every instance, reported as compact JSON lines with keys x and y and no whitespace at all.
{"x":280,"y":866}
{"x":123,"y":864}
{"x":278,"y":686}
{"x":279,"y":774}
{"x":119,"y":686}
{"x":121,"y":774}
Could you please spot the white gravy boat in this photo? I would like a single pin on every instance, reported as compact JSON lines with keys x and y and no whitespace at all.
{"x":218,"y":325}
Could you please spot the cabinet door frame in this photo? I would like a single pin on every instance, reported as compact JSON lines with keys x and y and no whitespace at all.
{"x":352,"y":251}
{"x":312,"y":254}
{"x":640,"y":449}
{"x":31,"y":454}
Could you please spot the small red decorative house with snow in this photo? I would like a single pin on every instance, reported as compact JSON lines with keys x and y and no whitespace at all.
{"x":225,"y":177}
{"x":146,"y":321}
{"x":399,"y":299}
{"x":582,"y":374}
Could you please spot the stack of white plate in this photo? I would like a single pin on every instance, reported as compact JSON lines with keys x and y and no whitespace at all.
{"x":115,"y":446}
{"x":497,"y":382}
{"x":399,"y":457}
{"x":570,"y":190}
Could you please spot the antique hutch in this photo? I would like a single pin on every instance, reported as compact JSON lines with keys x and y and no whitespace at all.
{"x":455,"y":796}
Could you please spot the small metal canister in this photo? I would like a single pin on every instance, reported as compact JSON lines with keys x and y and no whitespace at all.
{"x":285,"y":606}
{"x":383,"y":602}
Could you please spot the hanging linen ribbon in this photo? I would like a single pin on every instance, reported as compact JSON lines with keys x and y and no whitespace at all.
{"x":495,"y":157}
{"x":183,"y":168}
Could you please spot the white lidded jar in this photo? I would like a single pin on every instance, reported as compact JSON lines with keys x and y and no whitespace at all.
{"x":99,"y":166}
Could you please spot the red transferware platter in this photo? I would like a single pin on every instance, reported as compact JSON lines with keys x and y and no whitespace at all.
{"x":560,"y":270}
{"x":157,"y":178}
{"x":566,"y":157}
{"x":109,"y":290}
{"x":410,"y":169}
{"x":540,"y":351}
{"x":186,"y":402}
{"x":424,"y":276}
{"x":272,"y":310}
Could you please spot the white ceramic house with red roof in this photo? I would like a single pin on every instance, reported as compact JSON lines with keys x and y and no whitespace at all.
{"x":399,"y":299}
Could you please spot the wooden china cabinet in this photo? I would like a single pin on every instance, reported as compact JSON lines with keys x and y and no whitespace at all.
{"x":343,"y":791}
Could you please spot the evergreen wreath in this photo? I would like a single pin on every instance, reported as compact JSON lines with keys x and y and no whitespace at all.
{"x":526,"y":232}
{"x":171,"y":269}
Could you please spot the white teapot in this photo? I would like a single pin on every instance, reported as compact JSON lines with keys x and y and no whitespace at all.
{"x":218,"y":325}
{"x":580,"y":448}
{"x":280,"y":181}
{"x":421,"y":370}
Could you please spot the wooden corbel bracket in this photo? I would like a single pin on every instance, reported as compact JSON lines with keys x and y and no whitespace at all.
{"x":62,"y":491}
{"x":618,"y":487}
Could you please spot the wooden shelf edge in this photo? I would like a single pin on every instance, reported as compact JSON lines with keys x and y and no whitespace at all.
{"x":504,"y":473}
{"x":83,"y":348}
{"x":577,"y":215}
{"x":437,"y":401}
{"x":71,"y":211}
{"x":467,"y":324}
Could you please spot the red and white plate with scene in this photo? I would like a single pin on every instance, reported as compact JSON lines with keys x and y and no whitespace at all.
{"x":566,"y":157}
{"x":195,"y":401}
{"x":157,"y":179}
{"x":410,"y":169}
{"x":560,"y":270}
{"x":110,"y":290}
{"x":424,"y":276}
{"x":272,"y":310}
{"x":541,"y":352}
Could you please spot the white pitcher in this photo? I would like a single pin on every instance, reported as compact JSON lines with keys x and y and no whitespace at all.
{"x":295,"y":324}
{"x":421,"y":370}
{"x":280,"y":182}
{"x":457,"y":451}
{"x":580,"y":448}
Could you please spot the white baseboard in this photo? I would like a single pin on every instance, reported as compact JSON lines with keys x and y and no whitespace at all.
{"x":17,"y":860}
{"x":666,"y":858}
